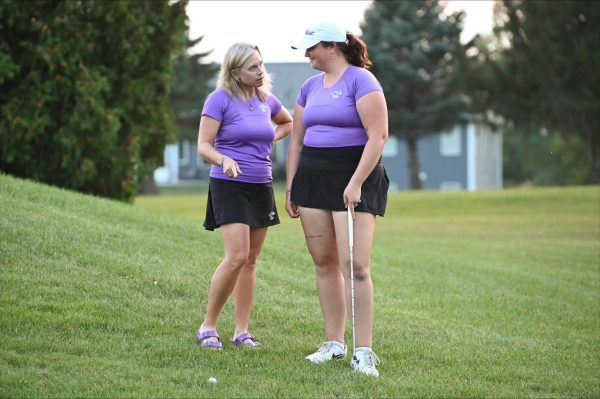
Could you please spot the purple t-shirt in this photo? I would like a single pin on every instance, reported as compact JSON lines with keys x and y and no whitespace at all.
{"x":245,"y":135}
{"x":330,"y":114}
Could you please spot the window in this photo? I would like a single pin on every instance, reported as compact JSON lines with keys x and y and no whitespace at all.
{"x":184,"y":153}
{"x":451,"y":143}
{"x":391,"y":147}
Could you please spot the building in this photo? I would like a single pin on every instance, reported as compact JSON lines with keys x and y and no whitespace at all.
{"x":468,"y":157}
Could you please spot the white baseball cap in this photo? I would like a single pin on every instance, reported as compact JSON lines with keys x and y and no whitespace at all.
{"x":321,"y":32}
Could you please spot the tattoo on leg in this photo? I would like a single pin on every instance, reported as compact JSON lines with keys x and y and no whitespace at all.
{"x":310,"y":236}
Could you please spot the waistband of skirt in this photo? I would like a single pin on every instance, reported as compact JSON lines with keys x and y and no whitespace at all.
{"x":332,"y":159}
{"x":216,"y":181}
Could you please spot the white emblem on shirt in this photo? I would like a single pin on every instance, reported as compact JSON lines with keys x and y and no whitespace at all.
{"x":272,"y":215}
{"x":336,"y":94}
{"x":263,"y":107}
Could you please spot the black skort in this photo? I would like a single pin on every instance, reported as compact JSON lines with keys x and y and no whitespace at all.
{"x":240,"y":202}
{"x":324,"y":173}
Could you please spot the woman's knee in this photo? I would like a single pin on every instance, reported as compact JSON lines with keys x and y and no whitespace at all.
{"x":324,"y":260}
{"x":326,"y":265}
{"x":252,"y":258}
{"x":250,"y":264}
{"x":361,"y":270}
{"x":237,"y":258}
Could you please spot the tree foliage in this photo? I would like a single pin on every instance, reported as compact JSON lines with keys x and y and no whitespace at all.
{"x":84,"y":91}
{"x":191,"y":85}
{"x":540,"y":72}
{"x":413,"y":49}
{"x":544,"y":159}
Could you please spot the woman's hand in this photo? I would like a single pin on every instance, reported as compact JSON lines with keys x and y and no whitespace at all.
{"x":231,"y":167}
{"x":290,"y":207}
{"x":352,"y":196}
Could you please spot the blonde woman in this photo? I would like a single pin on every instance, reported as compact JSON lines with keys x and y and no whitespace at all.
{"x":240,"y":121}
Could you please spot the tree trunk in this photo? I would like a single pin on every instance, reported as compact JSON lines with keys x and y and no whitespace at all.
{"x":594,"y":177}
{"x":413,"y":164}
{"x":148,"y":186}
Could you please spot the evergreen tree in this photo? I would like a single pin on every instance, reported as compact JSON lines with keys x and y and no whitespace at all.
{"x":84,"y":91}
{"x":413,"y":51}
{"x":193,"y":82}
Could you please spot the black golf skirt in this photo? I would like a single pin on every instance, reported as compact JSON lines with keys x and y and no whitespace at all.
{"x":240,"y":202}
{"x":324,"y":173}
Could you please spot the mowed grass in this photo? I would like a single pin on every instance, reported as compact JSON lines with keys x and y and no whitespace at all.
{"x":490,"y":294}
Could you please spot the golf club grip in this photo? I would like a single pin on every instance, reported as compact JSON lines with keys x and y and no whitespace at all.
{"x":350,"y":228}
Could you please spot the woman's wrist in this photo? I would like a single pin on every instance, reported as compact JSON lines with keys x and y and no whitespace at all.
{"x":223,"y":158}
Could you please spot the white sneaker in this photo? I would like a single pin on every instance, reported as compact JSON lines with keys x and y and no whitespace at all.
{"x":364,"y":361}
{"x":329,"y":350}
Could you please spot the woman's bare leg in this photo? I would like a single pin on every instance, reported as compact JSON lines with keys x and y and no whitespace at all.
{"x":236,"y":242}
{"x":321,"y":242}
{"x":364,"y":226}
{"x":243,"y":293}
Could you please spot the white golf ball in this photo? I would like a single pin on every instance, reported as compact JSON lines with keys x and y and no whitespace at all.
{"x":212,"y":380}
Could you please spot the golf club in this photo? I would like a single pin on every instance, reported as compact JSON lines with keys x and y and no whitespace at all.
{"x":351,"y":245}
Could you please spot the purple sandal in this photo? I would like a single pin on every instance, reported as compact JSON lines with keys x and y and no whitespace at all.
{"x":241,"y":341}
{"x":202,"y":336}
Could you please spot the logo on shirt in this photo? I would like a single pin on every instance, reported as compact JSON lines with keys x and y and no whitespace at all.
{"x":272,"y":215}
{"x":309,"y":32}
{"x":263,"y":107}
{"x":336,"y":94}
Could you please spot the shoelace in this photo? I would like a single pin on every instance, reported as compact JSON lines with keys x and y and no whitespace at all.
{"x":325,"y":346}
{"x":371,"y":359}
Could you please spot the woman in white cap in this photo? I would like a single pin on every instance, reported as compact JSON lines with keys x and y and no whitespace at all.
{"x":334,"y":162}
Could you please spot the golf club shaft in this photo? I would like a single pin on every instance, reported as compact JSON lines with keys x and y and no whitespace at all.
{"x":351,"y":246}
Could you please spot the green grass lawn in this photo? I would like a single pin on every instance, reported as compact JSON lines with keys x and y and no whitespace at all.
{"x":490,"y":294}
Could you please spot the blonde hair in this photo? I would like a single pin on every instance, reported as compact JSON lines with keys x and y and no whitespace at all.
{"x":235,"y":57}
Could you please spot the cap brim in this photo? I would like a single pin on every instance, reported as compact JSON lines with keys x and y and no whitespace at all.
{"x":305,"y":43}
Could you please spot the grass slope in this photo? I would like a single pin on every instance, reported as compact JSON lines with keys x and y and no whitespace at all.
{"x":491,"y":294}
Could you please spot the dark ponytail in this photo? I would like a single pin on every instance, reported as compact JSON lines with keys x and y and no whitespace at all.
{"x":355,"y":51}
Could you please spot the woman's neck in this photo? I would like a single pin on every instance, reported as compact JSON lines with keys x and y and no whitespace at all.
{"x":335,"y":70}
{"x":249,"y":92}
